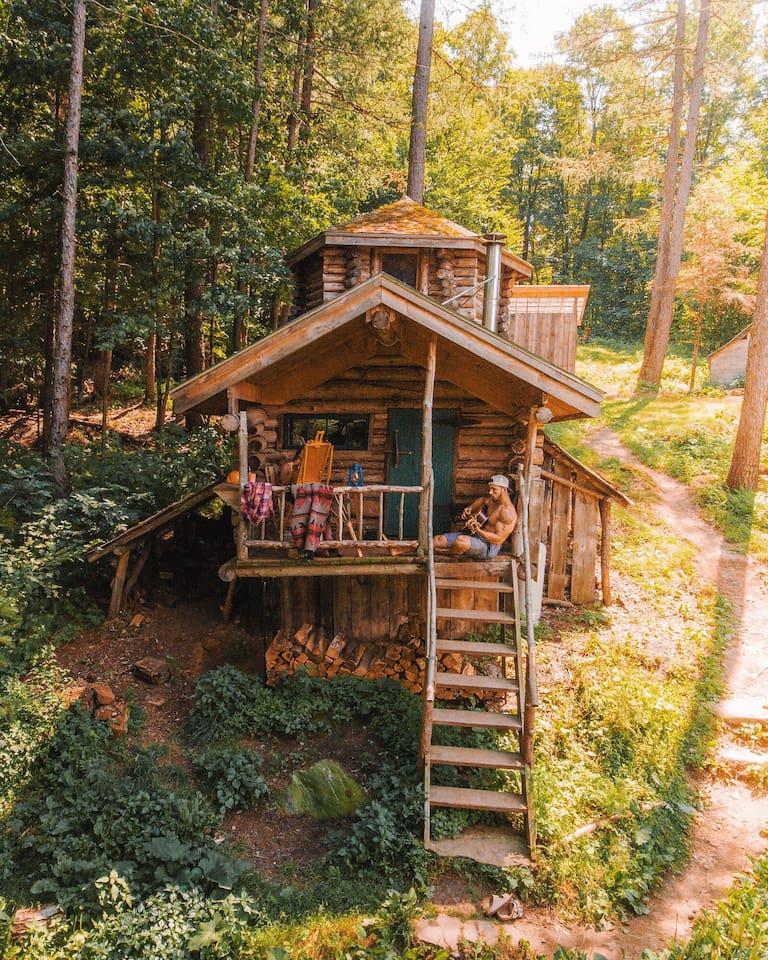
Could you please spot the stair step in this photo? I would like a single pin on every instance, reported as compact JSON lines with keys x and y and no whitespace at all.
{"x":476,"y":682}
{"x":473,"y":648}
{"x":444,"y":717}
{"x":445,"y":584}
{"x":480,"y":616}
{"x":473,"y":757}
{"x":466,"y":799}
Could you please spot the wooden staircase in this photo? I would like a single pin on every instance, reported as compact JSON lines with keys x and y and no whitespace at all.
{"x":508,"y":652}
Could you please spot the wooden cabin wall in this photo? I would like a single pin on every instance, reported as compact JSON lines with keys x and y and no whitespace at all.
{"x":572,"y":530}
{"x":484,"y":438}
{"x":369,"y":609}
{"x":550,"y":335}
{"x":453,"y":271}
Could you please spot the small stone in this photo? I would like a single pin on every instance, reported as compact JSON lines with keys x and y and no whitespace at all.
{"x":104,"y":694}
{"x":30,"y":916}
{"x":79,"y":691}
{"x":152,"y":670}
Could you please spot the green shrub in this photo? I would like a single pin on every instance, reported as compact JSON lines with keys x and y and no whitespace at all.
{"x":87,"y":810}
{"x":233,"y":774}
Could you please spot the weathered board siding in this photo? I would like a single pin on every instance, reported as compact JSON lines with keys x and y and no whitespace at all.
{"x":729,"y":363}
{"x":572,"y":530}
{"x":551,"y":335}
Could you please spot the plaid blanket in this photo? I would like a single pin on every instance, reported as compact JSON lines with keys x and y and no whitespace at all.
{"x":309,"y":517}
{"x":256,"y":501}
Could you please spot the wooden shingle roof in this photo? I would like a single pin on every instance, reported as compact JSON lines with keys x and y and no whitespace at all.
{"x":405,"y":223}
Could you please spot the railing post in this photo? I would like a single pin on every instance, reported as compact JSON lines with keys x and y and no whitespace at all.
{"x":242,"y":450}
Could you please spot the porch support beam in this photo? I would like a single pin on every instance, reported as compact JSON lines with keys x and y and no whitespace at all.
{"x":425,"y":518}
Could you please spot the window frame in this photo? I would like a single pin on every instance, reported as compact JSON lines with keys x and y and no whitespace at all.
{"x":287,"y":422}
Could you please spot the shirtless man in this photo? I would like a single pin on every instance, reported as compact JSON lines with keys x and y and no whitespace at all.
{"x":485,"y":541}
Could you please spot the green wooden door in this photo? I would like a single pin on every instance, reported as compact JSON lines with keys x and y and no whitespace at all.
{"x":404,"y":467}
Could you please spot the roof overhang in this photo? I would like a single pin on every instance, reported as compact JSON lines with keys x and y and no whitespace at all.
{"x":335,"y":337}
{"x":334,"y":238}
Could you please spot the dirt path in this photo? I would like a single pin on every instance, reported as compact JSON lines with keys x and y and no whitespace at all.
{"x":728,"y":830}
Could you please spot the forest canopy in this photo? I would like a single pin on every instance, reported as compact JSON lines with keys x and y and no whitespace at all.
{"x":215,"y":136}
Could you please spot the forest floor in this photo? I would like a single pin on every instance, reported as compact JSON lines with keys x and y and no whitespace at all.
{"x":732,"y":826}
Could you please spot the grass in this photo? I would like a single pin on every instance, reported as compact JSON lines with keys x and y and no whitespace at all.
{"x":690,"y":437}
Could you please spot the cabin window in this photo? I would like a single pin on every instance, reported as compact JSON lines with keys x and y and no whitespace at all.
{"x":346,"y":431}
{"x":401,"y":266}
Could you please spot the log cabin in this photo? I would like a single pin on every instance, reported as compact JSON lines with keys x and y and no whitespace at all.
{"x":427,"y":358}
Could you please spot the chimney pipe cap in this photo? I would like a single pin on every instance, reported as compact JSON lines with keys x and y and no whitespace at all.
{"x":494,"y":238}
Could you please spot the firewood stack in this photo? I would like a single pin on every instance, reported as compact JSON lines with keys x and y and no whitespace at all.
{"x":312,"y":650}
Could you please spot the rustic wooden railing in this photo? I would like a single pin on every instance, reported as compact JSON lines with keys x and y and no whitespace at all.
{"x":358,"y":519}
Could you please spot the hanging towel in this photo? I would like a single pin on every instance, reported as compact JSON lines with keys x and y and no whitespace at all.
{"x":256,"y":501}
{"x":309,"y":517}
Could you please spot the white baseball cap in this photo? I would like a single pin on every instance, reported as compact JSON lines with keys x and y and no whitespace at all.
{"x":499,"y":480}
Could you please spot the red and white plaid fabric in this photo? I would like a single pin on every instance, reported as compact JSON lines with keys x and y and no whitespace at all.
{"x":256,"y":501}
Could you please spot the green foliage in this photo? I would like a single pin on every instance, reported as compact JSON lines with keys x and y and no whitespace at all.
{"x":87,"y":810}
{"x":44,"y":538}
{"x":737,"y":927}
{"x":233,"y":774}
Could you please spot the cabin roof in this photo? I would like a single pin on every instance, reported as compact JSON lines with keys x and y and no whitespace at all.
{"x":588,"y":475}
{"x":154,"y":522}
{"x":335,"y":337}
{"x":739,"y":336}
{"x":404,"y":223}
{"x":533,"y":300}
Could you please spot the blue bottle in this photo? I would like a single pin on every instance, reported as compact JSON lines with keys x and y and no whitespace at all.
{"x":355,"y":475}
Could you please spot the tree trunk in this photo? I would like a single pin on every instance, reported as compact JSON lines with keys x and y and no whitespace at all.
{"x":62,"y":341}
{"x":298,"y":68}
{"x":150,"y":364}
{"x":696,"y":347}
{"x":309,"y":71}
{"x":194,"y":288}
{"x":745,"y":463}
{"x":150,"y":359}
{"x":250,"y":160}
{"x":418,"y":145}
{"x":660,"y":317}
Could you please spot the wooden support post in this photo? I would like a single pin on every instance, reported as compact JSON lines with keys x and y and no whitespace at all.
{"x":118,"y":583}
{"x":226,"y":610}
{"x":425,"y":545}
{"x":242,"y":449}
{"x":605,"y":551}
{"x":137,"y":568}
{"x":426,"y":436}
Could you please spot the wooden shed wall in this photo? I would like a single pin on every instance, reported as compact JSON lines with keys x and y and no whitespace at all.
{"x":730,"y":363}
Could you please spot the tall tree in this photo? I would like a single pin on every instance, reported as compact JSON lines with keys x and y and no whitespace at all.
{"x":419,"y":103}
{"x":745,"y":462}
{"x":671,"y":246}
{"x":258,"y":79}
{"x":62,"y":340}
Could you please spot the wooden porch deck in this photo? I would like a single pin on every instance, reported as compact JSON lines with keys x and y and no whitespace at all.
{"x":270,"y":567}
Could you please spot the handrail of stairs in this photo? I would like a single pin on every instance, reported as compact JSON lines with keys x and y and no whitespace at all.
{"x":431,"y":645}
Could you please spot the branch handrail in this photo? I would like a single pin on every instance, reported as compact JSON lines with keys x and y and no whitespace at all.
{"x":348,"y":526}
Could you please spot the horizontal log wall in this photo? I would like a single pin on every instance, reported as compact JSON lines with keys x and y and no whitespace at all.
{"x":484,"y":440}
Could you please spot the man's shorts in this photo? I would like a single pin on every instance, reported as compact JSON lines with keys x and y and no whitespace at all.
{"x":479,"y":549}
